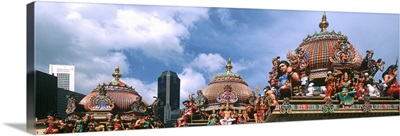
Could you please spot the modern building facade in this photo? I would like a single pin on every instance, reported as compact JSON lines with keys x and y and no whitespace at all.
{"x":65,"y":76}
{"x":46,"y":94}
{"x":168,"y":93}
{"x":50,"y":99}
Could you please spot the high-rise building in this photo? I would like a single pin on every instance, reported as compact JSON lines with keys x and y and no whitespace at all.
{"x":168,"y":93}
{"x":49,"y":98}
{"x":65,"y":76}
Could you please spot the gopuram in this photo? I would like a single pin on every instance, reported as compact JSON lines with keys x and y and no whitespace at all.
{"x":111,"y":106}
{"x":325,"y":77}
{"x":119,"y":106}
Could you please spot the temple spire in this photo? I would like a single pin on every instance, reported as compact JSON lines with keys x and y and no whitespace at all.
{"x":324,"y":24}
{"x":228,"y":66}
{"x":116,"y":74}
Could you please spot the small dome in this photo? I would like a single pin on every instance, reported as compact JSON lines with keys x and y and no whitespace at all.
{"x":122,"y":95}
{"x":238,"y":85}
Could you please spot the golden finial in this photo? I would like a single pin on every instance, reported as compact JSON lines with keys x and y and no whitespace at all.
{"x":257,"y":89}
{"x":229,"y":66}
{"x":116,"y":74}
{"x":324,"y":24}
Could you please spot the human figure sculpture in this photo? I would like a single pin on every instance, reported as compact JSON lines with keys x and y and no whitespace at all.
{"x":117,"y":123}
{"x":389,"y":76}
{"x":98,"y":126}
{"x":246,"y":112}
{"x":275,"y":68}
{"x":86,"y":121}
{"x":360,"y":86}
{"x":373,"y":91}
{"x":71,"y":104}
{"x":154,"y":107}
{"x":200,"y":102}
{"x":379,"y":65}
{"x":287,"y":79}
{"x":186,"y":113}
{"x":344,"y":57}
{"x":79,"y":125}
{"x":240,"y":118}
{"x":52,"y":124}
{"x":271,"y":96}
{"x":310,"y":90}
{"x":293,"y":59}
{"x":261,"y":110}
{"x":226,"y":116}
{"x":213,"y":119}
{"x":63,"y":127}
{"x":346,"y":95}
{"x":252,"y":99}
{"x":304,"y":82}
{"x":331,"y":83}
{"x":144,"y":123}
{"x":343,"y":53}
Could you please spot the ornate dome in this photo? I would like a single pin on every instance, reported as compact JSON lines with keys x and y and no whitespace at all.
{"x":326,"y":50}
{"x":117,"y":94}
{"x":218,"y":86}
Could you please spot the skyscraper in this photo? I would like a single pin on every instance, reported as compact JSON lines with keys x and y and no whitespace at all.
{"x":65,"y":76}
{"x":168,"y":93}
{"x":50,"y":98}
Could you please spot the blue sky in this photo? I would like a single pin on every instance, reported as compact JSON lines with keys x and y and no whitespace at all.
{"x":194,"y":42}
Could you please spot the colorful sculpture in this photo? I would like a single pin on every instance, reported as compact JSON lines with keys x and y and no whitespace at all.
{"x":227,"y":96}
{"x":138,"y":105}
{"x":101,"y":101}
{"x":328,"y":106}
{"x":186,"y":113}
{"x":71,"y":104}
{"x":390,"y":79}
{"x":51,"y":124}
{"x":346,"y":95}
{"x":285,"y":108}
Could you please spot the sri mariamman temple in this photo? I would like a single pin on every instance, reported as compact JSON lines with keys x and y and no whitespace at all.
{"x":325,"y":77}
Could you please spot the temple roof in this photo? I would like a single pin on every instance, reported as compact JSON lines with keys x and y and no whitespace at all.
{"x":322,"y":50}
{"x":228,"y":76}
{"x":122,"y":94}
{"x":238,"y":85}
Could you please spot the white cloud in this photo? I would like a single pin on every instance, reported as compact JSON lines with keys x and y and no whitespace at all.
{"x":191,"y":81}
{"x":93,"y":36}
{"x":73,"y":15}
{"x":225,"y":18}
{"x":156,"y":32}
{"x":208,"y":62}
{"x":212,"y":63}
{"x":146,"y":90}
{"x":241,"y":65}
{"x":97,"y":70}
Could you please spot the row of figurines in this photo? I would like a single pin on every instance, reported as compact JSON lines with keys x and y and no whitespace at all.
{"x":287,"y":76}
{"x":77,"y":124}
{"x":343,"y":85}
{"x":227,"y":114}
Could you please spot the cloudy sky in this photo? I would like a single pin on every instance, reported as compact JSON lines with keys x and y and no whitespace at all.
{"x":194,"y":42}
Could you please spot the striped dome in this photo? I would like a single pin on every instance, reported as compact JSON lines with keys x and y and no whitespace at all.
{"x":322,"y":46}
